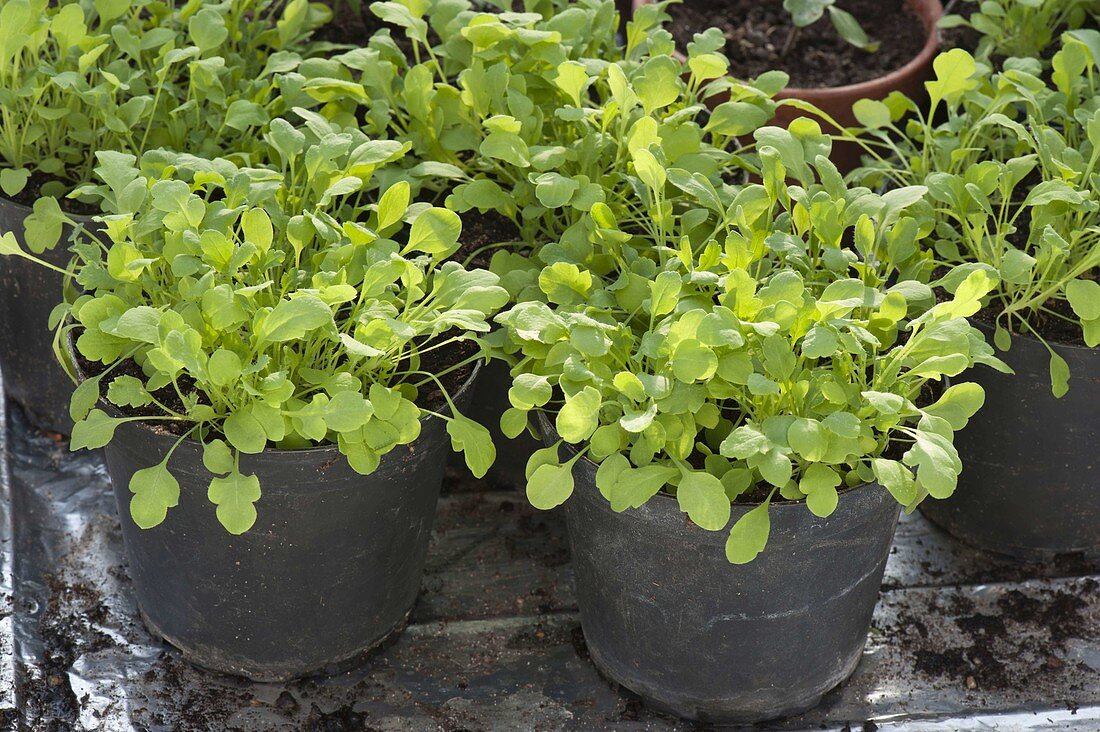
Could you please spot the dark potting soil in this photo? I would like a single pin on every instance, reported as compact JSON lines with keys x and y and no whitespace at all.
{"x":33,"y":191}
{"x":756,"y":33}
{"x":354,"y":24}
{"x":481,"y":230}
{"x":68,"y":628}
{"x":1059,"y":325}
{"x":438,"y":360}
{"x":960,"y":37}
{"x":166,"y":395}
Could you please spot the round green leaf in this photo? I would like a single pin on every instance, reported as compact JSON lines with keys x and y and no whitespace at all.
{"x":549,"y":486}
{"x":435,"y":232}
{"x":1084,"y":298}
{"x":235,"y":496}
{"x":703,"y":498}
{"x":579,"y":417}
{"x":692,"y":361}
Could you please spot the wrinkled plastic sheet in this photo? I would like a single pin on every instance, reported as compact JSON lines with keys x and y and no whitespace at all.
{"x":961,"y":641}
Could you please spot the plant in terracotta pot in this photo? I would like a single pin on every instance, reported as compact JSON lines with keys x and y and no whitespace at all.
{"x":743,"y":383}
{"x":132,"y":76}
{"x":1011,"y":173}
{"x":274,"y":359}
{"x":829,"y":62}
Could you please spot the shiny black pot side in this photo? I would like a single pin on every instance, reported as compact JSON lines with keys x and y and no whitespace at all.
{"x":330,"y":570}
{"x":1030,"y":486}
{"x":666,"y":616}
{"x":28,"y":294}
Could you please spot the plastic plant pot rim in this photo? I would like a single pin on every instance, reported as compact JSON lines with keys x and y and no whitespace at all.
{"x":1033,"y":341}
{"x":306,"y":451}
{"x":81,"y":219}
{"x":864,"y":89}
{"x":781,"y":506}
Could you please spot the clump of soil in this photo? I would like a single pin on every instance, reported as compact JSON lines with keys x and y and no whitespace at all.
{"x":336,"y":721}
{"x":992,"y":653}
{"x":1062,"y":614}
{"x":757,"y":32}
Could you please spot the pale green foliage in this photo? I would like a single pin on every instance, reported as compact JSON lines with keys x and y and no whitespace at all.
{"x":134,"y":75}
{"x":518,"y":113}
{"x":271,"y":307}
{"x":1011,"y":174}
{"x":730,"y":342}
{"x":1023,"y":28}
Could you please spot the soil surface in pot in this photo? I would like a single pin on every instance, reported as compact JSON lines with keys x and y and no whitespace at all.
{"x":960,"y":37}
{"x":354,"y":24}
{"x":33,"y":191}
{"x":1056,"y":323}
{"x":756,"y":32}
{"x":481,"y":230}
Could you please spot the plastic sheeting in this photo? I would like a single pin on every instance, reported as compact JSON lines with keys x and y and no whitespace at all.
{"x":961,"y":640}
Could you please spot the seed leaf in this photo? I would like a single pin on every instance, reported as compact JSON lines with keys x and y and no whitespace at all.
{"x":703,"y":498}
{"x":749,"y":535}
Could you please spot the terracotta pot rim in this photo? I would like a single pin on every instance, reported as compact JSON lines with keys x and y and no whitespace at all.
{"x":864,"y":88}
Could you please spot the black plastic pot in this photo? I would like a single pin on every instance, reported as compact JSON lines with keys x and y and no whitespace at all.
{"x":665,"y":615}
{"x":330,"y":570}
{"x":488,"y":403}
{"x":28,"y":294}
{"x":1030,"y":485}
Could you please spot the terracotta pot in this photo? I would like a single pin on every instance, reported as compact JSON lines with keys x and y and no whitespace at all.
{"x":837,"y":101}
